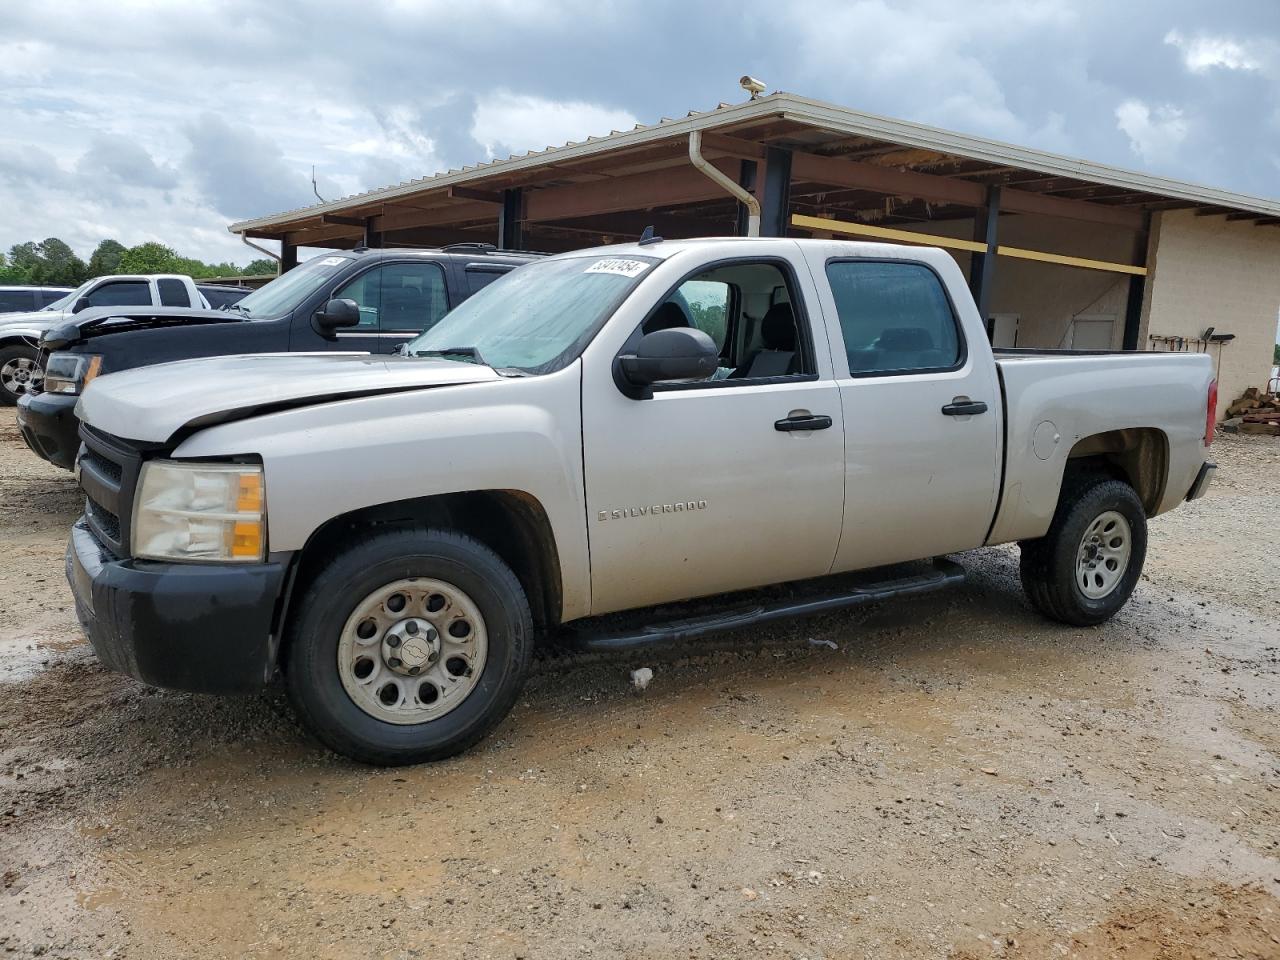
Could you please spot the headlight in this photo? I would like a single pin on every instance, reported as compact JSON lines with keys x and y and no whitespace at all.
{"x":200,"y":511}
{"x":70,"y":372}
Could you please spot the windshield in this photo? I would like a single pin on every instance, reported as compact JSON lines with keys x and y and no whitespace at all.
{"x":286,"y":291}
{"x":67,"y":302}
{"x":536,"y":316}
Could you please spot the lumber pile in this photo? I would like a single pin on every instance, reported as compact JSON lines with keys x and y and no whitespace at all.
{"x":1254,"y":412}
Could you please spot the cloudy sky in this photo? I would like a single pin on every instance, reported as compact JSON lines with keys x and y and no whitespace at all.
{"x":166,"y":121}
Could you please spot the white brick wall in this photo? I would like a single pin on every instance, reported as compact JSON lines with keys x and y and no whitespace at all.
{"x":1208,"y":272}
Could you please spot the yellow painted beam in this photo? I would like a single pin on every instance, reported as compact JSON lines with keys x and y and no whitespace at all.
{"x":885,"y":233}
{"x":1107,"y":265}
{"x":972,"y":246}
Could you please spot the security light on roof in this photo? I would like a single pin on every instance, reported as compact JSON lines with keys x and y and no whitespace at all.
{"x":752,"y":86}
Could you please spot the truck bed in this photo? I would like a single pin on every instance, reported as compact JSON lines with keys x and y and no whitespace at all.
{"x":1055,"y":398}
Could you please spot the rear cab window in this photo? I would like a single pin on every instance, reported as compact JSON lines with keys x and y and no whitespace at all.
{"x":173,"y":293}
{"x":895,"y":317}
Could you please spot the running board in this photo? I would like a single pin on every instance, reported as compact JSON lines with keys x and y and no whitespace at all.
{"x":944,"y":573}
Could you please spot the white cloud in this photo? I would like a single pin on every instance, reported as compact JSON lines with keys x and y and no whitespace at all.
{"x":1154,"y":134}
{"x":521,"y":122}
{"x":1203,"y":52}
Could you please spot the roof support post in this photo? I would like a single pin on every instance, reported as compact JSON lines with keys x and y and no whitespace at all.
{"x":372,"y":235}
{"x":982,"y":266}
{"x":509,"y":225}
{"x":775,"y":212}
{"x":1137,"y":287}
{"x":288,"y":256}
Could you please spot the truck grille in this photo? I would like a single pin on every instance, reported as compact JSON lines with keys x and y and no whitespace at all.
{"x":108,"y":476}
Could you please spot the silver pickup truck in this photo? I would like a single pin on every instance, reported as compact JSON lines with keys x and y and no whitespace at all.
{"x":603,"y":431}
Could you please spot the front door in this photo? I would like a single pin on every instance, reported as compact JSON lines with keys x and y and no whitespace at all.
{"x":921,"y":473}
{"x":723,"y":484}
{"x":397,"y":301}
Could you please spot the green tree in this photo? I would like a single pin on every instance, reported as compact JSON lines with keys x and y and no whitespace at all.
{"x":150,"y":257}
{"x":106,"y":258}
{"x":262,"y":267}
{"x":9,"y":273}
{"x":50,"y":261}
{"x":1275,"y":356}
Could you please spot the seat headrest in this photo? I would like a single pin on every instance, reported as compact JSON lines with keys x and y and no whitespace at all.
{"x":667,"y":317}
{"x":905,"y":338}
{"x":778,"y":328}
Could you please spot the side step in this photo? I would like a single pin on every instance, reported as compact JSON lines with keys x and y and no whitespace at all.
{"x":944,"y":573}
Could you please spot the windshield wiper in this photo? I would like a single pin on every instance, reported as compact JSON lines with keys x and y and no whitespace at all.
{"x":236,"y":307}
{"x":454,"y":353}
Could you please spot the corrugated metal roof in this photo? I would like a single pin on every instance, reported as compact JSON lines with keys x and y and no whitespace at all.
{"x":813,"y":113}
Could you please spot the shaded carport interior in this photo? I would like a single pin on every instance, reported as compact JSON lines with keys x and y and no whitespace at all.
{"x":1072,"y":227}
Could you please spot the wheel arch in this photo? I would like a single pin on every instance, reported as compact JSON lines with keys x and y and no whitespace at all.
{"x":512,"y":523}
{"x":1137,"y":455}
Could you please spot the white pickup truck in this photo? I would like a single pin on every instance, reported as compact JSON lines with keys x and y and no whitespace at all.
{"x":20,"y":367}
{"x":602,"y":431}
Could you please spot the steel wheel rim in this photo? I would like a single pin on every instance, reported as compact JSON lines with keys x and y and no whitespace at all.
{"x":20,"y":375}
{"x":412,"y":650}
{"x":1104,"y":554}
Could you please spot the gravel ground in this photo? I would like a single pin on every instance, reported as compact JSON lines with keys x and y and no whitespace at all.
{"x":959,"y":779}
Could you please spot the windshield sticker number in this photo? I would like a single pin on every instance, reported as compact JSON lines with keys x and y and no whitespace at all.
{"x":332,"y":262}
{"x":621,"y":268}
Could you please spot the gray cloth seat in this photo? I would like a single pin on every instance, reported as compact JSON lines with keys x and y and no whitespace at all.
{"x":777,"y":358}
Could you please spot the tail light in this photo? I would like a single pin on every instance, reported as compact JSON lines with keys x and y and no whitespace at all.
{"x":1211,"y":412}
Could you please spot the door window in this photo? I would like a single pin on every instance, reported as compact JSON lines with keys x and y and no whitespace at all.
{"x":173,"y":293}
{"x":747,"y":309}
{"x":708,"y":302}
{"x":121,"y":293}
{"x":895,"y":317}
{"x":12,"y":300}
{"x":398,"y":297}
{"x":480,"y":277}
{"x":365,"y":290}
{"x":414,"y":297}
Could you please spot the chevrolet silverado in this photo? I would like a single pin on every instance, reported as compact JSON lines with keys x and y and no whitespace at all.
{"x":586,"y":447}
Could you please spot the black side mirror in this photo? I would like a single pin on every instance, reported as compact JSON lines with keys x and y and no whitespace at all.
{"x":337,"y":314}
{"x":81,"y":304}
{"x":680,"y":353}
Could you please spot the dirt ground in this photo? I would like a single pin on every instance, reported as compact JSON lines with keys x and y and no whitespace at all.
{"x":958,"y":779}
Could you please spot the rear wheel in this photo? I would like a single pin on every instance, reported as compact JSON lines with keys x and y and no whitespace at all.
{"x":408,"y":647}
{"x":20,"y":372}
{"x":1084,"y":569}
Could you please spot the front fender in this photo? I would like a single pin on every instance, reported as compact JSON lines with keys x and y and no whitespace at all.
{"x":332,"y":459}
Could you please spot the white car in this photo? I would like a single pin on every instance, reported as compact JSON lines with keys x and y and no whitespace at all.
{"x":603,"y":431}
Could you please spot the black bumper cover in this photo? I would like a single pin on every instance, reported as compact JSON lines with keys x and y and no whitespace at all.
{"x":48,"y":424}
{"x":200,"y":627}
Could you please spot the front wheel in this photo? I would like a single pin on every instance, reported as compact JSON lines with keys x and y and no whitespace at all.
{"x":408,"y":646}
{"x":20,"y":372}
{"x":1084,"y":569}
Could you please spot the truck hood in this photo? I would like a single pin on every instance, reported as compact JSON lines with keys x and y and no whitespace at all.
{"x":32,"y":324}
{"x":67,"y":329}
{"x":152,"y":404}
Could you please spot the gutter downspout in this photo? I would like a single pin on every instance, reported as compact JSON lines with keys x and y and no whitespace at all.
{"x":742,"y":194}
{"x":249,"y":243}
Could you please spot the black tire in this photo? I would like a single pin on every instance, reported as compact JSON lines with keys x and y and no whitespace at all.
{"x":311,"y":655}
{"x":1048,"y":565}
{"x":9,"y":354}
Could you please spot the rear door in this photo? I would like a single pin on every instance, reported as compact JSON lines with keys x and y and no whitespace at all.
{"x":922,"y":469}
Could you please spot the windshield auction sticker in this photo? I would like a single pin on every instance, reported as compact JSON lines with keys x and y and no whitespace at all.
{"x":621,"y":268}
